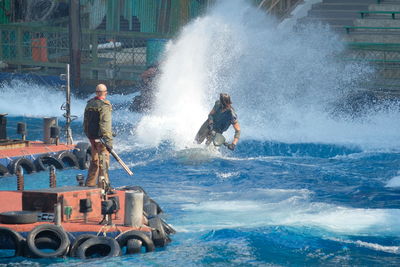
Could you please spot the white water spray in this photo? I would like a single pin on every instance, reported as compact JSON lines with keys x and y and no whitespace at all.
{"x":282,"y":82}
{"x":24,"y":98}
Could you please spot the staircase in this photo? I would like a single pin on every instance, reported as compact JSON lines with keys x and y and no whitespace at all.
{"x":372,"y":30}
{"x":336,"y":13}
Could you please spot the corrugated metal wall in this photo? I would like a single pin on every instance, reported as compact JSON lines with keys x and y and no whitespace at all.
{"x":146,"y":11}
{"x":155,"y":16}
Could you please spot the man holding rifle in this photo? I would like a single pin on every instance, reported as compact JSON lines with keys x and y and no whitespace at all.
{"x":97,"y":125}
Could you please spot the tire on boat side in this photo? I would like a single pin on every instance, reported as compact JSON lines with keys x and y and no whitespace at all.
{"x":36,"y":240}
{"x":159,"y":237}
{"x":18,"y":217}
{"x":38,"y":162}
{"x":151,"y":208}
{"x":25,"y":163}
{"x":3,"y":170}
{"x":78,"y":241}
{"x":98,"y":245}
{"x":68,"y":159}
{"x":7,"y":235}
{"x":146,"y":241}
{"x":82,"y":152}
{"x":53,"y":161}
{"x":133,"y":246}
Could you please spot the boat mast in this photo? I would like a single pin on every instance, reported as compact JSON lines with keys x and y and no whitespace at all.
{"x":68,"y":110}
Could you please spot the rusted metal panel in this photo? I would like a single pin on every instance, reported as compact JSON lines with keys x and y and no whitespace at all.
{"x":45,"y":199}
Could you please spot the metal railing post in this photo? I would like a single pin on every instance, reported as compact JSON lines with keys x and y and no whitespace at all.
{"x":18,"y":43}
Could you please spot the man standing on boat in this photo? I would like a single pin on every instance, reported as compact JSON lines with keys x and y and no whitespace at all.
{"x":97,"y":124}
{"x":219,"y":119}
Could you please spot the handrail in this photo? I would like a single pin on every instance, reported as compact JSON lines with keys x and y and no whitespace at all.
{"x":53,"y":29}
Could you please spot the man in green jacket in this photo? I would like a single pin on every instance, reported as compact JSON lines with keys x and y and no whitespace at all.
{"x":97,"y":124}
{"x":219,"y":119}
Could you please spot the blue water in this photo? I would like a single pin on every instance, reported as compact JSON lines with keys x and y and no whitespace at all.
{"x":310,"y":184}
{"x":267,"y":203}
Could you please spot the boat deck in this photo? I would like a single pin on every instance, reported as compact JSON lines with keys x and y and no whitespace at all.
{"x":26,"y":148}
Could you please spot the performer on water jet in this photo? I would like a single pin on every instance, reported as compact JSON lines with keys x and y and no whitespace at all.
{"x":220,"y":118}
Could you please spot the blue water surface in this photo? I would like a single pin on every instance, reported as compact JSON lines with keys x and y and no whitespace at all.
{"x":266,"y":204}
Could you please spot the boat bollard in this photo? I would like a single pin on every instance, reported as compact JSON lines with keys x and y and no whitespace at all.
{"x":21,"y":129}
{"x":133,"y":208}
{"x":85,"y":206}
{"x":20,"y":178}
{"x":55,"y":134}
{"x":53,"y":177}
{"x":47,"y":123}
{"x":80,"y":179}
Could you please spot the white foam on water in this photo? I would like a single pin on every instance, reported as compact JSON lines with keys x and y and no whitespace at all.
{"x":393,"y":182}
{"x":373,"y":246}
{"x":270,"y":207}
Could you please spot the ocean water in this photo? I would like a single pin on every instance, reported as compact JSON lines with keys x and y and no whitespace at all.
{"x":311,"y":182}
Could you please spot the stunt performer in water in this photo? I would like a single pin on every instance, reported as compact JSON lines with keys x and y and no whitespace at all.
{"x":220,"y":118}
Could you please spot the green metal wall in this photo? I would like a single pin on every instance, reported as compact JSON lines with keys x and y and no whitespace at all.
{"x":146,"y":11}
{"x":4,"y":5}
{"x":149,"y":11}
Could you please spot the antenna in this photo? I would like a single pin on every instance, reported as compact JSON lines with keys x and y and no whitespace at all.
{"x":67,"y":107}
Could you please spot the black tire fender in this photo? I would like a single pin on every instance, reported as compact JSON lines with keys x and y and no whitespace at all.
{"x":3,"y":170}
{"x":18,"y":217}
{"x":152,"y":208}
{"x":101,"y":245}
{"x":36,"y":240}
{"x":53,"y":161}
{"x":78,"y":241}
{"x":82,"y":152}
{"x":147,"y":242}
{"x":133,"y":246}
{"x":38,"y":162}
{"x":158,"y":235}
{"x":68,"y":159}
{"x":6,"y":235}
{"x":26,"y":164}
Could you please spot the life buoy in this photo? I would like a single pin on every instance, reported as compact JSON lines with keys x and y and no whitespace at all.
{"x":78,"y":241}
{"x":158,"y":235}
{"x":47,"y":236}
{"x":26,"y":164}
{"x":98,"y":246}
{"x":68,"y":159}
{"x":3,"y":170}
{"x":10,"y":239}
{"x":146,"y":241}
{"x":82,"y":152}
{"x":18,"y":217}
{"x":49,"y":160}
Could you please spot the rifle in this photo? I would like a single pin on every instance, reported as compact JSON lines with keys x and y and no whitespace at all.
{"x":117,"y":158}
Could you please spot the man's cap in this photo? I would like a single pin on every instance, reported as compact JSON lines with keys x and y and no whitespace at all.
{"x":101,"y":88}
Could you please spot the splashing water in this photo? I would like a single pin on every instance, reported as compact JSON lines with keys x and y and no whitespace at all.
{"x":34,"y":100}
{"x":283,"y":83}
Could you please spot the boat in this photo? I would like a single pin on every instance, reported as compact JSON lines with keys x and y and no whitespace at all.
{"x":78,"y":221}
{"x":38,"y":155}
